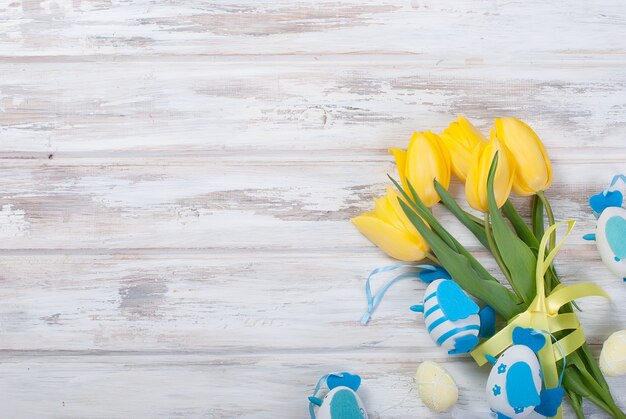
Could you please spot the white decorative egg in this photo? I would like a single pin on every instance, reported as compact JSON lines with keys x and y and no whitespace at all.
{"x":611,"y":239}
{"x":436,"y":387}
{"x":340,"y":403}
{"x":613,"y":355}
{"x":517,"y":361}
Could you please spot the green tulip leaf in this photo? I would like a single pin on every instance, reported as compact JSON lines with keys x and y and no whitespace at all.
{"x":518,"y":258}
{"x":421,"y":209}
{"x":537,"y":217}
{"x":521,"y":228}
{"x":465,"y":218}
{"x":460,"y":268}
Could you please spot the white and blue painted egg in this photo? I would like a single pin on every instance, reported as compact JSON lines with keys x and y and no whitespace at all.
{"x":453,"y":320}
{"x":610,"y":233}
{"x":341,"y":403}
{"x":611,"y":239}
{"x":501,"y":395}
{"x":444,"y":327}
{"x":515,"y":387}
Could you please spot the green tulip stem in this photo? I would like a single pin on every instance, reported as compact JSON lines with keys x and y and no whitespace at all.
{"x":550,"y":214}
{"x":496,"y":254}
{"x":432,"y":258}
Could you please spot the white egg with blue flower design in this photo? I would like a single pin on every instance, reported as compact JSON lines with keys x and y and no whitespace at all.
{"x":515,"y":384}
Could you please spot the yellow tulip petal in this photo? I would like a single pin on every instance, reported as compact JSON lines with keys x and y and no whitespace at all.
{"x":476,"y":182}
{"x":400,"y":156}
{"x":460,"y":156}
{"x":472,"y":181}
{"x":472,"y":134}
{"x":460,"y":139}
{"x":427,"y":160}
{"x":534,"y":168}
{"x":393,"y":198}
{"x":397,"y":244}
{"x":383,"y":210}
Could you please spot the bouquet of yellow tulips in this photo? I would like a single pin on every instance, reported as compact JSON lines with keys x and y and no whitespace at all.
{"x":512,"y":159}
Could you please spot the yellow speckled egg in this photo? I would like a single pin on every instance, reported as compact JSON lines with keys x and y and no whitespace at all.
{"x":436,"y":387}
{"x":613,"y":355}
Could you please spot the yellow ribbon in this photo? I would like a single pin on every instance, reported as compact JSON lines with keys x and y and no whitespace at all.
{"x":542,"y":314}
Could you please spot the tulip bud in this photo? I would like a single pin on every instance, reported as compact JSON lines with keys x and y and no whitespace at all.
{"x":425,"y":160}
{"x":476,"y":182}
{"x":389,"y":228}
{"x":534,"y":172}
{"x":460,"y":138}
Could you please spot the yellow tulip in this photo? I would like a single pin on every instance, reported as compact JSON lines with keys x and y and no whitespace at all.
{"x":390,"y":229}
{"x":425,"y":160}
{"x":460,"y":138}
{"x":534,"y":171}
{"x":476,"y":182}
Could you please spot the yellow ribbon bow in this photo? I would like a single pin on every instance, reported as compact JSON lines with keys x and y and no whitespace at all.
{"x":543,"y":315}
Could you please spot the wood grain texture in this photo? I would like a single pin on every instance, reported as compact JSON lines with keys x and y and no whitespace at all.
{"x":178,"y":178}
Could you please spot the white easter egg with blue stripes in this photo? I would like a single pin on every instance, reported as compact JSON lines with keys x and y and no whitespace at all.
{"x":441,"y":328}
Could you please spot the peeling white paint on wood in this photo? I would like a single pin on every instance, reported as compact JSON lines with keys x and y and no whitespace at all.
{"x":177,"y":180}
{"x":13,"y":222}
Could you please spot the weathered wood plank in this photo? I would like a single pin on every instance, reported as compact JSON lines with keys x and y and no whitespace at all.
{"x":181,"y":107}
{"x":239,"y":386}
{"x":200,"y":203}
{"x":466,"y":32}
{"x":234,"y":303}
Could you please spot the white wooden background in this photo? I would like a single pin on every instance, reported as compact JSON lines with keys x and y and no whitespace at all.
{"x":176,"y":180}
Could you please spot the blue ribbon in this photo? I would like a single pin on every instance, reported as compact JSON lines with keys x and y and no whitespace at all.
{"x":616,"y":178}
{"x":374,"y":301}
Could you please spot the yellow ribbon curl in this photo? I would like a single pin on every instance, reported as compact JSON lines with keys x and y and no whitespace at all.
{"x":542,"y":314}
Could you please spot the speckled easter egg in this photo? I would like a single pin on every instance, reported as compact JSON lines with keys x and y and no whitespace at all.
{"x":501,"y":383}
{"x":436,"y":387}
{"x":613,"y":355}
{"x":611,"y":239}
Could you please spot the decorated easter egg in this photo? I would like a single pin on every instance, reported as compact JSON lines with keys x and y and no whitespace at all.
{"x":341,"y":403}
{"x":514,"y":383}
{"x":436,"y":387}
{"x":613,"y":355}
{"x":611,"y":239}
{"x":451,"y":317}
